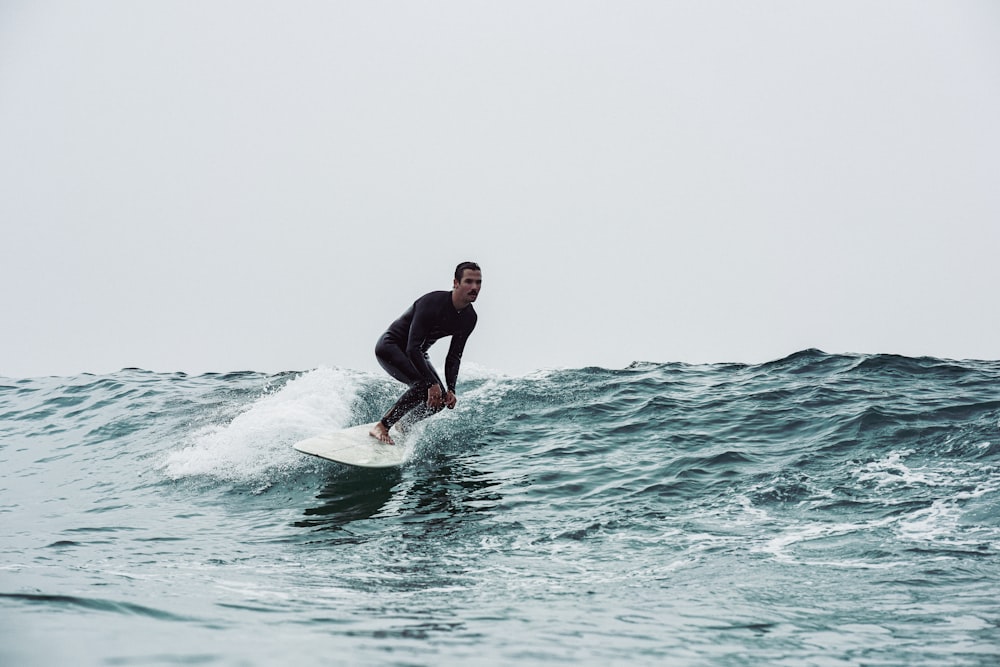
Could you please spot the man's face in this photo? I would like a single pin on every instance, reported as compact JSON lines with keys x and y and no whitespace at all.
{"x":467,"y":289}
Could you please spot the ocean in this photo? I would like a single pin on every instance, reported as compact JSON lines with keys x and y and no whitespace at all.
{"x":819,"y":509}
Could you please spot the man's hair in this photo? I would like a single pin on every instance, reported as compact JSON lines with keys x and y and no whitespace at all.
{"x":460,"y":269}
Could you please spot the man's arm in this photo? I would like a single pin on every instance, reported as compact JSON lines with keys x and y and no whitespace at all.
{"x":454,"y":360}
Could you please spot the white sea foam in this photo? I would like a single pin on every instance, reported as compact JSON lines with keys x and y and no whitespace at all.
{"x":783,"y":545}
{"x":939,"y":521}
{"x":892,"y":470}
{"x":258,"y":441}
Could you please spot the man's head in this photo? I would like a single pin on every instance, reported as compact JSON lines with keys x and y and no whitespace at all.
{"x":468,"y":282}
{"x":461,"y":268}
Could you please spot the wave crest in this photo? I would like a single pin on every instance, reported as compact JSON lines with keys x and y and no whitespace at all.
{"x":257,"y":442}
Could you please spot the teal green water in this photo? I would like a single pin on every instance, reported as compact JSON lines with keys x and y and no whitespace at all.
{"x":816,"y":510}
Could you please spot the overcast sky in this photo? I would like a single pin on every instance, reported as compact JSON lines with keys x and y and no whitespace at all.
{"x":229,"y":185}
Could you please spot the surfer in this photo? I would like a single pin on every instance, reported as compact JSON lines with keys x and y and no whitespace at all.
{"x":402,"y":349}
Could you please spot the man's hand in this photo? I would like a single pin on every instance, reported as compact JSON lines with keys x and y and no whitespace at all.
{"x":450,"y":400}
{"x":434,"y":397}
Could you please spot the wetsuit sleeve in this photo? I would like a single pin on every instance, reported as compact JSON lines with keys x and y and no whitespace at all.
{"x":416,"y":342}
{"x":454,"y":358}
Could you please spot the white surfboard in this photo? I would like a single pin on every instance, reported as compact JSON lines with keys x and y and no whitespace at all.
{"x":355,"y":447}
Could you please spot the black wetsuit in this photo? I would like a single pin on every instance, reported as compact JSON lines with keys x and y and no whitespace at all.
{"x":402,"y":350}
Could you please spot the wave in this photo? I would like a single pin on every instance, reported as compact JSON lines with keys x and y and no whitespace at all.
{"x":807,"y":410}
{"x":644,"y":492}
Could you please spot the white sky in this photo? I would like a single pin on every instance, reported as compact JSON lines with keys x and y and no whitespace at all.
{"x":229,"y":185}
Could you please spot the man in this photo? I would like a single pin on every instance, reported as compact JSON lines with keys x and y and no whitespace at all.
{"x":402,"y":349}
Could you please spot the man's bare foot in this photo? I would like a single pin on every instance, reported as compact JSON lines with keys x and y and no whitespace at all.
{"x":381,"y":433}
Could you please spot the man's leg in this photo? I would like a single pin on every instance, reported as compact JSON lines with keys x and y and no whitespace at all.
{"x":412,"y":403}
{"x":395,"y":362}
